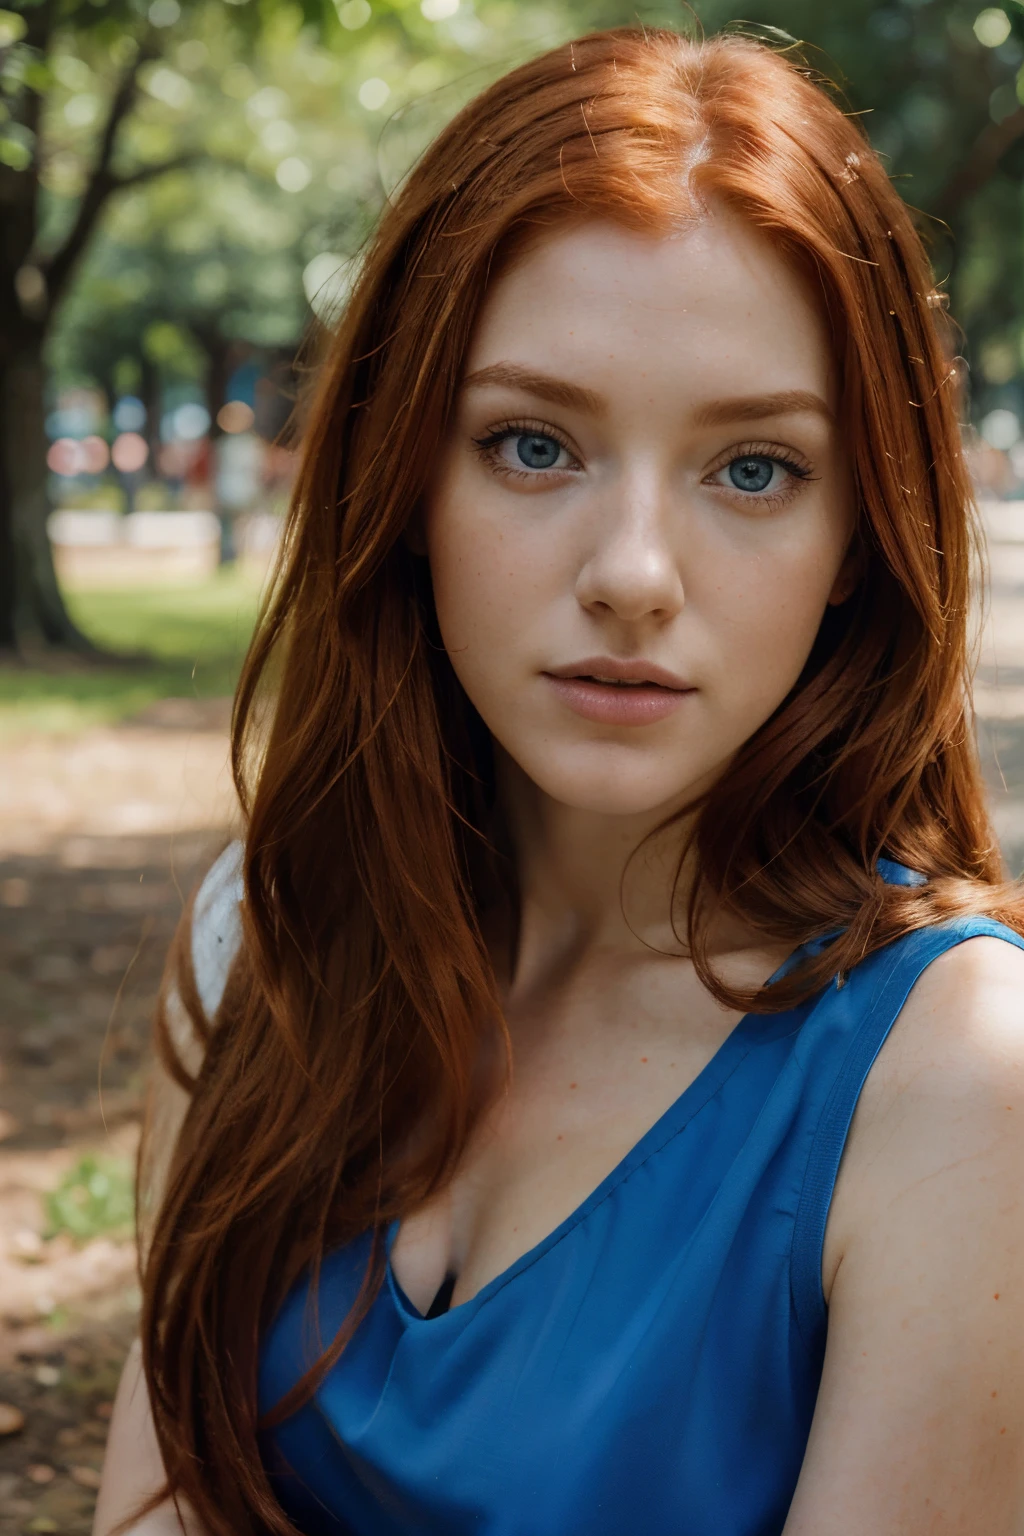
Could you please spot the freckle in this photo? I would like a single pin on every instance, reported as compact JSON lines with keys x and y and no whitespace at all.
{"x":572,"y":1085}
{"x":643,"y":1058}
{"x":1003,"y":1430}
{"x":995,"y":1394}
{"x":561,"y":1138}
{"x":996,"y":1296}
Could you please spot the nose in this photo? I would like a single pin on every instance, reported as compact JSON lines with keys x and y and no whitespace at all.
{"x":632,"y":571}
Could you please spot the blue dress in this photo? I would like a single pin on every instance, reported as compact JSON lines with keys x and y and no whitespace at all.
{"x":651,"y":1367}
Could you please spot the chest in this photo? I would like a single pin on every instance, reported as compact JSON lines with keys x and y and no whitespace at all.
{"x":593,"y":1068}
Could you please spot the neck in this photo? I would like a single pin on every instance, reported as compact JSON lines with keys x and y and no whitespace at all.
{"x":590,"y":881}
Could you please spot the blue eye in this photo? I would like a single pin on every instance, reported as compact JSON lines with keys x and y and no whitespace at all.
{"x":537,"y":451}
{"x":752,"y":473}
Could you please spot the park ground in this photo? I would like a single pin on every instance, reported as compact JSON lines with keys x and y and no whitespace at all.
{"x":114,"y":796}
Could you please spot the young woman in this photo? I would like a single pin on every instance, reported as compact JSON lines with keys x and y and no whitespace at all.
{"x":551,"y":1163}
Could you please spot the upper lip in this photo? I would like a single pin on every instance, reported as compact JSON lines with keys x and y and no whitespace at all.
{"x":638,"y":671}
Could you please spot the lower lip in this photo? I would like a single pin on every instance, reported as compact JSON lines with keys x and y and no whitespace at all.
{"x":606,"y":704}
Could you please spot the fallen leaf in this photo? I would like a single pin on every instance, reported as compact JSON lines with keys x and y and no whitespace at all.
{"x":12,"y":1420}
{"x":39,"y":1472}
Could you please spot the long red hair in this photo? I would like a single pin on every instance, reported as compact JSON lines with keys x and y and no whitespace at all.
{"x":336,"y":1093}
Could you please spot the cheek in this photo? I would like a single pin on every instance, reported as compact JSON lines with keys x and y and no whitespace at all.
{"x":483,"y":589}
{"x":771,"y":605}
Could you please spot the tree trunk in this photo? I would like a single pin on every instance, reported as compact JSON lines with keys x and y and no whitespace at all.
{"x":32,"y":611}
{"x":220,"y":363}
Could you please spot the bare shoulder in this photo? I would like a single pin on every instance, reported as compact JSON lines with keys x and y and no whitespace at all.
{"x":920,"y":1416}
{"x":943,"y":1106}
{"x":959,"y":1037}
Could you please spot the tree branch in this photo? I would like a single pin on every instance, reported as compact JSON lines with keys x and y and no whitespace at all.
{"x":59,"y":266}
{"x":148,"y":172}
{"x":981,"y":163}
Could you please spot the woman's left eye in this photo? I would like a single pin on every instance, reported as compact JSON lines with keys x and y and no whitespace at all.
{"x":758,"y":474}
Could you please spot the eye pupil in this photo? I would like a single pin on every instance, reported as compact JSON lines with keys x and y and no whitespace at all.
{"x":537,"y":451}
{"x":751,"y":474}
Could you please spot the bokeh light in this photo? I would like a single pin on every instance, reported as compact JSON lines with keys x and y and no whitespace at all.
{"x":293,"y":174}
{"x":129,"y":414}
{"x":65,"y":456}
{"x":354,"y":14}
{"x":95,"y":455}
{"x":190,"y":421}
{"x":373,"y":93}
{"x":70,"y":456}
{"x":992,"y":27}
{"x":1000,"y":429}
{"x":235,"y":416}
{"x":129,"y":452}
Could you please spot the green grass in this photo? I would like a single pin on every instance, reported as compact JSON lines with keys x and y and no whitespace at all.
{"x":194,"y":639}
{"x":95,"y":1198}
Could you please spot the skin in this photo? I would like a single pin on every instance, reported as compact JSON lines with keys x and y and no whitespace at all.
{"x":635,"y":544}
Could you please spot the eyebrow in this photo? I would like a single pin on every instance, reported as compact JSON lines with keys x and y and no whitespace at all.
{"x":787,"y":402}
{"x":543,"y":385}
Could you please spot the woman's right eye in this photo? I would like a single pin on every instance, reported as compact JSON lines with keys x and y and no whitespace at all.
{"x":537,"y":451}
{"x":525,"y":452}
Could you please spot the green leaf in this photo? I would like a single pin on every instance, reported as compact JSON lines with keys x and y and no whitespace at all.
{"x":95,"y":1198}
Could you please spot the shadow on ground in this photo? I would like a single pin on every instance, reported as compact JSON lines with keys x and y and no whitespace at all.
{"x":84,"y":929}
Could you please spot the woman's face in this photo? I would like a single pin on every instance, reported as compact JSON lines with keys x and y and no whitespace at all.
{"x":641,"y":509}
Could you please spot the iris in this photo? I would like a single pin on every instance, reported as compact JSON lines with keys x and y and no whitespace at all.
{"x":538,"y":452}
{"x":751,"y":474}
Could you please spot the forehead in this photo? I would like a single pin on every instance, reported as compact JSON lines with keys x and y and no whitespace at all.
{"x":714,"y":308}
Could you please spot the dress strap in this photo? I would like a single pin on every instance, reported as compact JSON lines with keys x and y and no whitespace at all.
{"x":899,"y":874}
{"x":903,"y":964}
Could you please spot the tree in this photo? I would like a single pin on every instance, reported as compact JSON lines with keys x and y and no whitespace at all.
{"x":93,"y":108}
{"x":119,"y":106}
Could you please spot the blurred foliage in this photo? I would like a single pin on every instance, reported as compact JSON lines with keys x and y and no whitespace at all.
{"x":95,"y":1198}
{"x":194,"y":639}
{"x":285,"y":123}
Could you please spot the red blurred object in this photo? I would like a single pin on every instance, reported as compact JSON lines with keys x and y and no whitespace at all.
{"x":178,"y":459}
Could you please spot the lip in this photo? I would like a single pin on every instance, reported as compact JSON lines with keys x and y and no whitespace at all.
{"x":656,"y":694}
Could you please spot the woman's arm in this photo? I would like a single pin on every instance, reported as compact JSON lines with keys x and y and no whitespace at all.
{"x":919,"y":1427}
{"x":133,"y":1469}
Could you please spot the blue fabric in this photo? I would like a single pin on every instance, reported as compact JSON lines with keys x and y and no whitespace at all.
{"x":652,"y":1366}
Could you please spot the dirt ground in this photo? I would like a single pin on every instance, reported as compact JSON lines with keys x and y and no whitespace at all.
{"x":101,"y":838}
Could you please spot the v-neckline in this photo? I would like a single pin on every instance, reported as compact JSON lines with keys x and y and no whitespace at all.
{"x":749,"y":1031}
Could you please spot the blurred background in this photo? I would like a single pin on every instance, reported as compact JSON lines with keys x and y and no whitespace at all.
{"x":184,"y":186}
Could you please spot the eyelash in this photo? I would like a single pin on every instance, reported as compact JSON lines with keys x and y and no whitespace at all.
{"x":799,"y":470}
{"x":490,"y":441}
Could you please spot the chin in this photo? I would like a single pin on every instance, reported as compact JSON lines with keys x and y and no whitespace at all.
{"x":618,"y":784}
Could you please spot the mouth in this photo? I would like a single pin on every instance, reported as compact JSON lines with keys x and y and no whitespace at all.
{"x":610,"y":672}
{"x":618,"y":682}
{"x":607,"y":691}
